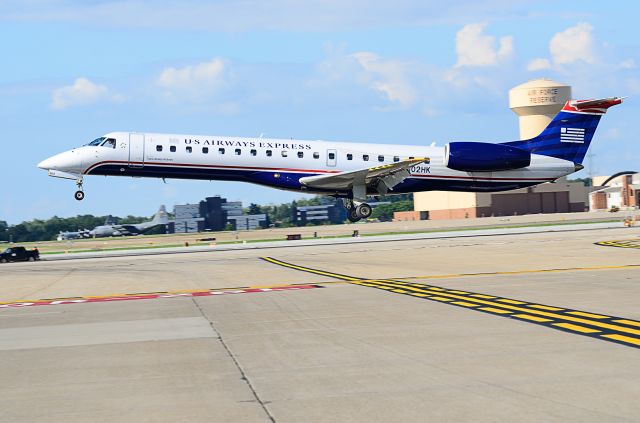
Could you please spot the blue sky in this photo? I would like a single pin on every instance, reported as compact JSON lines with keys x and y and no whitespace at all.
{"x":406,"y":72}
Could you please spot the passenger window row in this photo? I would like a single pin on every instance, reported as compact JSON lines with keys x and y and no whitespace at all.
{"x":269,"y":153}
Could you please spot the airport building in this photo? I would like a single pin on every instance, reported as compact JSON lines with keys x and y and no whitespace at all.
{"x":331,"y":212}
{"x":536,"y":103}
{"x":248,"y":222}
{"x":187,"y":218}
{"x":324,"y":213}
{"x":215,"y":214}
{"x":621,"y":192}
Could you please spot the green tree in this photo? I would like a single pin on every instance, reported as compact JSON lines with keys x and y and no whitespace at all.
{"x":384,"y":212}
{"x":254,"y":209}
{"x":4,"y":231}
{"x":586,"y":181}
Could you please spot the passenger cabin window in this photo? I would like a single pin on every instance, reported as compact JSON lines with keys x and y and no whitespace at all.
{"x":396,"y":158}
{"x":158,"y":148}
{"x":316,"y":155}
{"x":254,"y":153}
{"x":189,"y":149}
{"x":365,"y":157}
{"x":238,"y":151}
{"x":205,"y":150}
{"x":381,"y":158}
{"x":172,"y":148}
{"x":284,"y":153}
{"x":332,"y":156}
{"x":221,"y":150}
{"x":349,"y":156}
{"x":300,"y":154}
{"x":269,"y":153}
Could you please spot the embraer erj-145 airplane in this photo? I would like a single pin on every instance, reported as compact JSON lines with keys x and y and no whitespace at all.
{"x":351,"y":171}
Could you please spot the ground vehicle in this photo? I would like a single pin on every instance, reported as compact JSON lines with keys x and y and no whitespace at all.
{"x":19,"y":254}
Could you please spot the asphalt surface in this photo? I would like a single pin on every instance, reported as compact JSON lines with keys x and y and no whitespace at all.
{"x":529,"y":327}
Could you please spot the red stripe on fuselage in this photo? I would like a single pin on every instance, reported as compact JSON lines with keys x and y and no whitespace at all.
{"x":276,"y":169}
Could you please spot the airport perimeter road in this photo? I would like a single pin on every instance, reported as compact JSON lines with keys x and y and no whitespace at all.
{"x":537,"y":327}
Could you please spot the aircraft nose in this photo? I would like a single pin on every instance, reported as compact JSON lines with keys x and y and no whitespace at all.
{"x":69,"y":161}
{"x":46,"y":164}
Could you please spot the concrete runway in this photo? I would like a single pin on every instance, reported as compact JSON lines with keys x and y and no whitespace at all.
{"x":359,"y":332}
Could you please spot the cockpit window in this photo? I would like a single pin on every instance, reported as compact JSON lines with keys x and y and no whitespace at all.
{"x":110,"y":143}
{"x":97,"y":141}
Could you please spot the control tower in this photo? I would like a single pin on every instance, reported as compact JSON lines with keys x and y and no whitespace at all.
{"x":536,"y":103}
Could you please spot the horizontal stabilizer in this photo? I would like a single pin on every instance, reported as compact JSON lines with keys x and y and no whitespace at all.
{"x":598,"y":106}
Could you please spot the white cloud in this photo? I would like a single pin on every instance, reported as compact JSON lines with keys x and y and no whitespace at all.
{"x":475,"y":48}
{"x":256,"y":15}
{"x":195,"y":83}
{"x":82,"y":92}
{"x":387,"y":77}
{"x":538,"y":64}
{"x":627,"y":64}
{"x":573,"y":44}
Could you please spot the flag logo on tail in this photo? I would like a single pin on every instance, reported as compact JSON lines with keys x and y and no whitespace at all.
{"x":575,"y":135}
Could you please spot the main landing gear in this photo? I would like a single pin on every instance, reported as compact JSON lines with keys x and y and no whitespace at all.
{"x":79,"y":194}
{"x":356,"y":210}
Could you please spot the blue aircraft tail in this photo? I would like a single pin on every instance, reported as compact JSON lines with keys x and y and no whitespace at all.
{"x":569,"y":134}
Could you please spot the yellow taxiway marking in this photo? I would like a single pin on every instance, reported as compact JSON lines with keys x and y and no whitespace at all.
{"x":585,"y":314}
{"x":544,"y":307}
{"x":521,"y":272}
{"x":306,"y":269}
{"x":623,"y":338}
{"x":576,"y":328}
{"x":495,"y":310}
{"x":464,"y":304}
{"x":626,"y":331}
{"x":542,"y":313}
{"x":504,"y":300}
{"x":628,"y":243}
{"x":627,"y":322}
{"x":533,"y":318}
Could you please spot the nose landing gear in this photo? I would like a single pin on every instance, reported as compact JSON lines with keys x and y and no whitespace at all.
{"x":79,"y":194}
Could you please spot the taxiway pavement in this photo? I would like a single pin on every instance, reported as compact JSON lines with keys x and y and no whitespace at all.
{"x":339,"y":350}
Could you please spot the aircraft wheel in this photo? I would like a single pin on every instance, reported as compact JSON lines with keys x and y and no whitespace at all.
{"x":363,"y":210}
{"x":79,"y":195}
{"x":353,"y":216}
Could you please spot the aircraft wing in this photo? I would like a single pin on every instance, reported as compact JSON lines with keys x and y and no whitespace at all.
{"x":127,"y":229}
{"x":383,"y":177}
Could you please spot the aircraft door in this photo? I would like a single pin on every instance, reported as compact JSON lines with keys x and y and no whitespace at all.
{"x":136,"y":150}
{"x":332,"y":158}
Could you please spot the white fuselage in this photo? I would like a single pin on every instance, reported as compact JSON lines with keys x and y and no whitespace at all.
{"x":281,"y":163}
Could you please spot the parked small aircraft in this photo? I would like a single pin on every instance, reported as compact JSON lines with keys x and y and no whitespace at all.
{"x":122,"y":229}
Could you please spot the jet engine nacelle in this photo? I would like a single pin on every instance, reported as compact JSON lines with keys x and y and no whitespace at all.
{"x":484,"y":157}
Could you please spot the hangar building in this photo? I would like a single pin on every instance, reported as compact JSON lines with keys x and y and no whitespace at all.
{"x":622,"y":192}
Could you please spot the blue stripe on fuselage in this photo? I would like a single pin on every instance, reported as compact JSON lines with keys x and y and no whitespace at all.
{"x":291,"y":180}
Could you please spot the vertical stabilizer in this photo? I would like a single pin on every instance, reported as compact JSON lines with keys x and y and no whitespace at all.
{"x":569,"y":134}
